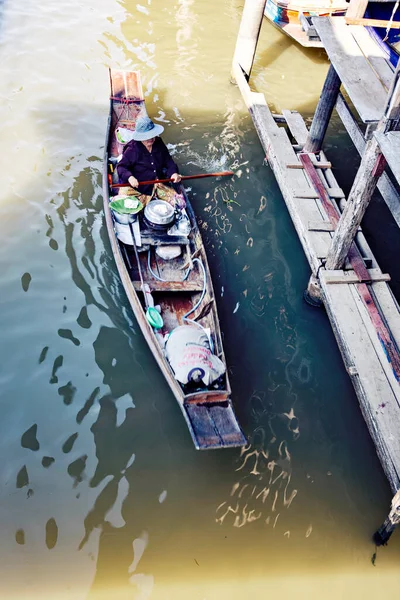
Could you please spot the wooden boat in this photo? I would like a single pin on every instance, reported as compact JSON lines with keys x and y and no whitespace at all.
{"x":390,"y":43}
{"x":207,"y":410}
{"x":293,"y":17}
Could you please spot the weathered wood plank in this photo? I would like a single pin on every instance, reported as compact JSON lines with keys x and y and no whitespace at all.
{"x":377,"y":399}
{"x":249,"y":31}
{"x":332,"y":193}
{"x":296,"y":125}
{"x":170,"y":286}
{"x":347,"y":277}
{"x":389,"y":143}
{"x":372,"y":22}
{"x":323,"y":111}
{"x":389,"y":308}
{"x":370,"y":170}
{"x":162,"y":239}
{"x":374,"y":54}
{"x":392,"y":111}
{"x":383,"y":333}
{"x":203,"y":426}
{"x":356,"y":9}
{"x":385,"y":186}
{"x":320,"y":226}
{"x":309,"y":168}
{"x":227,"y":427}
{"x":308,"y":28}
{"x":360,"y":239}
{"x":364,"y":88}
{"x":333,"y":215}
{"x":322,"y":165}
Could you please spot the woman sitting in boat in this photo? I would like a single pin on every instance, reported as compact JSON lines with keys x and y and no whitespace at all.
{"x":146,"y":158}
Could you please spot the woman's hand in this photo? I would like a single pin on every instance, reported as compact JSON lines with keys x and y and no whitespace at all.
{"x":175,"y":178}
{"x":133,"y":182}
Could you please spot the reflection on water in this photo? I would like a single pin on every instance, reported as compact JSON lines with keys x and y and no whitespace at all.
{"x":103,"y":494}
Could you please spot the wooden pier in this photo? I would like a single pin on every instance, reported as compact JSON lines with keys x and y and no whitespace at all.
{"x":345,"y":275}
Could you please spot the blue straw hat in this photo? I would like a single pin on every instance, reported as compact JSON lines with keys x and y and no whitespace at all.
{"x":146,"y":129}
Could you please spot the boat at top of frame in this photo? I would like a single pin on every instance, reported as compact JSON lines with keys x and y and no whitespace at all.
{"x":388,"y":39}
{"x":293,"y":17}
{"x":164,"y":270}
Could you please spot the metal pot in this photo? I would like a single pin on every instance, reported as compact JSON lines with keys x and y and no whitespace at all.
{"x":159,"y":214}
{"x":124,"y":219}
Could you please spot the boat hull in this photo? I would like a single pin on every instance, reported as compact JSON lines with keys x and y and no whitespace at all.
{"x":208,"y":413}
{"x":286,"y":17}
{"x":391,"y":45}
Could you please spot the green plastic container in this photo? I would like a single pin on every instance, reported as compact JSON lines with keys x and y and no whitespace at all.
{"x":154,"y":318}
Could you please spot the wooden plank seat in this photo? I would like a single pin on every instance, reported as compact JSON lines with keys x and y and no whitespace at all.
{"x":170,"y":286}
{"x":161,"y":239}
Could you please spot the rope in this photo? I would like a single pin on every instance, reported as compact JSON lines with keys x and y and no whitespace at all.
{"x":203,"y":293}
{"x":388,"y":28}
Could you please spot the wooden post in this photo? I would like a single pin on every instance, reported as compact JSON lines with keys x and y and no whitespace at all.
{"x":382,"y":535}
{"x":371,"y":168}
{"x":356,"y":9}
{"x":249,"y":31}
{"x":326,"y":104}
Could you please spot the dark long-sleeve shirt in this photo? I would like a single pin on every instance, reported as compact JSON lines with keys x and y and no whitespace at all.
{"x":144,"y":165}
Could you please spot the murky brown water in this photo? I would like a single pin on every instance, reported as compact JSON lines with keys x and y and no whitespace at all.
{"x":102,"y":493}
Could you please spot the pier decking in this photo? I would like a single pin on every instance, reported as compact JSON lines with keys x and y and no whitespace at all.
{"x":363,"y":312}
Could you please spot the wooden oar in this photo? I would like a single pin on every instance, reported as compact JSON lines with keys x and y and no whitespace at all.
{"x":183,"y":177}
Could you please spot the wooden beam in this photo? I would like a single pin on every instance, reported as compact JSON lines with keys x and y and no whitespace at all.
{"x":296,"y":126}
{"x":392,"y":112}
{"x":389,"y":143}
{"x":356,"y":9}
{"x":374,"y":54}
{"x":371,"y":168}
{"x":307,"y":26}
{"x":323,"y":113}
{"x":385,"y":186}
{"x":170,"y":286}
{"x":342,"y":277}
{"x":371,"y":22}
{"x":317,"y":165}
{"x":383,"y":333}
{"x":370,"y":380}
{"x":320,"y":226}
{"x":333,"y":215}
{"x":332,"y":193}
{"x":357,"y":75}
{"x":249,"y":31}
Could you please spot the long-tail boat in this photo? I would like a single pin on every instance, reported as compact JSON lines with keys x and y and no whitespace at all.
{"x":175,"y":288}
{"x":293,"y":17}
